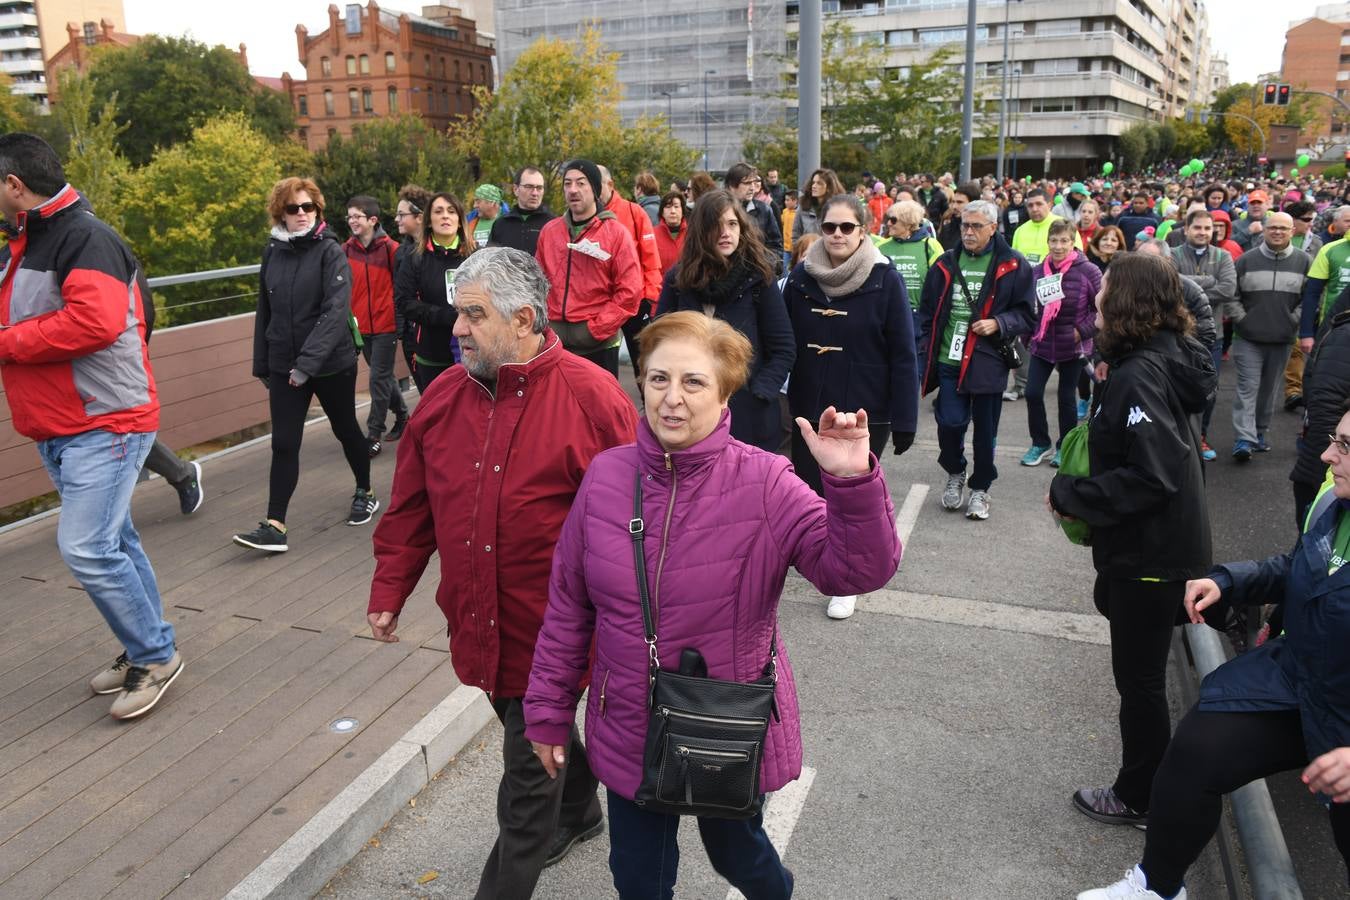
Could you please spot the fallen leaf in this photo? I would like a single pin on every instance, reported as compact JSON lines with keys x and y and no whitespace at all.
{"x":412,"y":801}
{"x":429,"y":877}
{"x":374,"y":842}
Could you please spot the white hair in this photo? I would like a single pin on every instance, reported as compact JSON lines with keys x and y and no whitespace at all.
{"x":512,"y":278}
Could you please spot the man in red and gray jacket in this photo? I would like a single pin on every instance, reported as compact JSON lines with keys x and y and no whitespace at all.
{"x":77,"y":375}
{"x":593,"y":269}
{"x":515,"y":428}
{"x":370,"y":253}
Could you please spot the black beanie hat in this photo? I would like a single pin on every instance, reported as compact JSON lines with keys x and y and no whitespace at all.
{"x":590,"y":170}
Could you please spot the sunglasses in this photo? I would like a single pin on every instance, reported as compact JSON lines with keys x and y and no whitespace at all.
{"x":294,"y":208}
{"x":892,"y":220}
{"x":1307,"y":218}
{"x":844,"y":228}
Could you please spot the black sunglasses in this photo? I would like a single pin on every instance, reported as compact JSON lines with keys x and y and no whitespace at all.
{"x":845,"y":228}
{"x":892,"y":220}
{"x":294,"y":208}
{"x":1307,"y":218}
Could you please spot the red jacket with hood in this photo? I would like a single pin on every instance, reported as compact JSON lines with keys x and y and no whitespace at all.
{"x":1228,"y":245}
{"x":373,"y":282}
{"x":596,"y":278}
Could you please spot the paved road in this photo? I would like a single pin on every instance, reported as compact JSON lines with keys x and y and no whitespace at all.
{"x":946,"y":724}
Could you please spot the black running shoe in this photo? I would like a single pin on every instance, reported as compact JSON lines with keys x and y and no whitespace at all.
{"x":265,"y":537}
{"x":373,"y":447}
{"x":400,"y":423}
{"x":190,"y":495}
{"x":364,"y":505}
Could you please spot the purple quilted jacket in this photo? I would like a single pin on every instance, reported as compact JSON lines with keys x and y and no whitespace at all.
{"x":1081,"y":283}
{"x":724,"y":521}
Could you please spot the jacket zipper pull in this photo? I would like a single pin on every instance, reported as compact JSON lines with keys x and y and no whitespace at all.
{"x":669,"y":467}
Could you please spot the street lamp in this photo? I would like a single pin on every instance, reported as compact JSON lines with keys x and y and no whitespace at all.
{"x":706,"y":73}
{"x":1003,"y":93}
{"x":669,"y":113}
{"x":1017,"y":114}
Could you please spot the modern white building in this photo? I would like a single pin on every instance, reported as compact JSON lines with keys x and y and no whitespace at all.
{"x":710,"y":66}
{"x":21,"y":49}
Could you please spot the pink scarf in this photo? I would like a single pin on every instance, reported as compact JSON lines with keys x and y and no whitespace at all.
{"x":1052,"y":308}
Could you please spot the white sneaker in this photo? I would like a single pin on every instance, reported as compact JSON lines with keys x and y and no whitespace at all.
{"x":841,"y":607}
{"x":979,"y":505}
{"x":953,"y":492}
{"x":1134,"y":886}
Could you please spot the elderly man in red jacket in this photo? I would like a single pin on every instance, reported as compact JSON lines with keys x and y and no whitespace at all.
{"x":486,"y":473}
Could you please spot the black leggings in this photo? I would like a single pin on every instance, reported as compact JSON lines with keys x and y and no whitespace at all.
{"x":337,"y":396}
{"x":1212,"y":754}
{"x":1142,"y":615}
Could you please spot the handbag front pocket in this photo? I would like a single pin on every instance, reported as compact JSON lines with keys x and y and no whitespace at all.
{"x":704,"y":772}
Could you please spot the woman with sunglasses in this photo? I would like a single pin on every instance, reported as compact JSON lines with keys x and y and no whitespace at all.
{"x":855,"y":341}
{"x":910,"y":249}
{"x":303,"y":347}
{"x":725,"y":271}
{"x":1305,"y":239}
{"x":413,"y":201}
{"x":425,"y":287}
{"x":1279,"y":707}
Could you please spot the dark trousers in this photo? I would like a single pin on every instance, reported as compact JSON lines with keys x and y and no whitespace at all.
{"x":644,"y":853}
{"x":289,"y":405}
{"x":531,"y":807}
{"x":805,"y":464}
{"x":1038,"y":375}
{"x":425,"y":373}
{"x":1142,"y":615}
{"x":1216,"y":351}
{"x":954,"y":413}
{"x":1212,"y":754}
{"x":1305,"y":492}
{"x":631,"y":329}
{"x":379,"y":350}
{"x":168,"y":465}
{"x":607,"y":359}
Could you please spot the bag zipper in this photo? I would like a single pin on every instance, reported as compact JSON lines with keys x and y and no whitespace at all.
{"x":700,"y":751}
{"x":715,"y":720}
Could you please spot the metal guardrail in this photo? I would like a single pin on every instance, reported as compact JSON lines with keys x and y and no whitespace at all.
{"x":212,"y":275}
{"x":1268,"y":863}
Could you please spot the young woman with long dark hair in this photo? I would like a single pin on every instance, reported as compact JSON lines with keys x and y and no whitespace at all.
{"x":425,"y":287}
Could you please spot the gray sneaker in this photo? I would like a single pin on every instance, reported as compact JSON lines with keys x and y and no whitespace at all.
{"x":979,"y":505}
{"x":144,"y":686}
{"x":952,"y":493}
{"x":110,"y":680}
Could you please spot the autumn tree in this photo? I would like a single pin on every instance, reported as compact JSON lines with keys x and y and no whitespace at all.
{"x":558,"y":102}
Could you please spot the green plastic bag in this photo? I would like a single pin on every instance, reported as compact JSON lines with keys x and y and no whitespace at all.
{"x":1073,"y":460}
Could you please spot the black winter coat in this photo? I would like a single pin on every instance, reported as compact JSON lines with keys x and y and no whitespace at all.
{"x":424,"y":293}
{"x":1145,"y":496}
{"x":854,"y":352}
{"x":304,"y":304}
{"x":520,"y":229}
{"x":1326,"y":385}
{"x":756,"y":311}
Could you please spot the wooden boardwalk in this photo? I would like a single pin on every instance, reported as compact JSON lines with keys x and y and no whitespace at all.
{"x":239,"y":754}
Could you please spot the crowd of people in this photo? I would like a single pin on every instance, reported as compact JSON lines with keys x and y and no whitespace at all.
{"x":781,"y":341}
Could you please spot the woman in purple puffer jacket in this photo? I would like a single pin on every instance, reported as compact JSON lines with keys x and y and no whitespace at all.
{"x":1066,"y":296}
{"x":725,"y":521}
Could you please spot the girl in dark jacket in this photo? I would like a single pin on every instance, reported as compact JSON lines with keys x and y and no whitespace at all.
{"x":1326,"y":386}
{"x":303,"y":348}
{"x":1066,"y":295}
{"x":855,"y":341}
{"x":413,"y":201}
{"x":1279,"y":707}
{"x":425,"y":287}
{"x":1145,"y":502}
{"x":724,"y":271}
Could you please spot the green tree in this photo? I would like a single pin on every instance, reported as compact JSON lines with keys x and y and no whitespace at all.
{"x":1134,"y":146}
{"x":167,"y":86}
{"x":558,"y":102}
{"x":203,"y":205}
{"x":94,"y":163}
{"x":15,"y":111}
{"x":382,"y":156}
{"x":1193,"y":139}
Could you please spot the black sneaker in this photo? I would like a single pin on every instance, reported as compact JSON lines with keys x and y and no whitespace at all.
{"x":189,"y":490}
{"x":1102,"y":804}
{"x":364,"y":505}
{"x":265,"y":537}
{"x":1293,"y":402}
{"x":373,"y":447}
{"x":400,"y":423}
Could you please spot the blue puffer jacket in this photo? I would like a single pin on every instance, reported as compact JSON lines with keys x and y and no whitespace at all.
{"x":1307,"y":668}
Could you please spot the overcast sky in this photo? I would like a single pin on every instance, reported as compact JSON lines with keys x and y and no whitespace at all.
{"x":1249,"y":32}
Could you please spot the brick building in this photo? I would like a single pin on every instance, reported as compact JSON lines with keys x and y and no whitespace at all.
{"x":78,"y":50}
{"x":1317,"y":58}
{"x":371,"y":63}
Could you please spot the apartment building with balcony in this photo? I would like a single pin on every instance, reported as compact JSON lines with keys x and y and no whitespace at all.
{"x":21,"y":50}
{"x":711,"y":67}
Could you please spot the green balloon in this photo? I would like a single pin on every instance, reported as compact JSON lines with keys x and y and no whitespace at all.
{"x":1185,"y":171}
{"x":1028,"y":179}
{"x":1275,"y":174}
{"x":1199,"y":165}
{"x":1303,"y":160}
{"x":1293,"y":172}
{"x":1108,"y":168}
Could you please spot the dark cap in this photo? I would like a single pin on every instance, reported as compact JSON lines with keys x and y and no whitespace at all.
{"x":587,"y":168}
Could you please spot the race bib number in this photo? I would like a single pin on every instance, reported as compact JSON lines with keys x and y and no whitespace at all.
{"x":958,"y":345}
{"x":450,"y":286}
{"x":1049,"y":288}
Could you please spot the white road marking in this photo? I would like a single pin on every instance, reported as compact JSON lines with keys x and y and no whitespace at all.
{"x":909,"y":511}
{"x":781,"y":814}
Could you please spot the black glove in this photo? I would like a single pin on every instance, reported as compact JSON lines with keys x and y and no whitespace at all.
{"x":902,"y":440}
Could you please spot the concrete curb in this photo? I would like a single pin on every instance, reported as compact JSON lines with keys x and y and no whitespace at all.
{"x":309,"y":858}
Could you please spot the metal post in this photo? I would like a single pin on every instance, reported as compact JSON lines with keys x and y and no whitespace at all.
{"x":1003,"y":94}
{"x":670,"y":115}
{"x":1016,"y":116}
{"x":968,"y":96}
{"x":705,"y":119}
{"x":808,"y":93}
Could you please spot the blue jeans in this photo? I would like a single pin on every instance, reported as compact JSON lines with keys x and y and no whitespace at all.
{"x":644,"y":854}
{"x":95,"y":473}
{"x":954,"y":412}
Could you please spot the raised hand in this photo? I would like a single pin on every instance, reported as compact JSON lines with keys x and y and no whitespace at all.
{"x":841,"y":446}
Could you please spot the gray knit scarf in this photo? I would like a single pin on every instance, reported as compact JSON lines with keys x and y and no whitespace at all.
{"x":848,"y":276}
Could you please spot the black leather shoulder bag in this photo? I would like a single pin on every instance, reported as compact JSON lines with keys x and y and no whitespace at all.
{"x":705,"y":736}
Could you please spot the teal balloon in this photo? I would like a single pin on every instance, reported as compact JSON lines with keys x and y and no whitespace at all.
{"x":1108,"y":168}
{"x":1303,"y":160}
{"x":1107,"y":185}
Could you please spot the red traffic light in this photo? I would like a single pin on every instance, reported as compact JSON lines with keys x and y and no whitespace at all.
{"x":1283,"y":99}
{"x":1270,"y":93}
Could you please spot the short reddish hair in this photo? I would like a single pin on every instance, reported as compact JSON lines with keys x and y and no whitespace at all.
{"x":286,"y":189}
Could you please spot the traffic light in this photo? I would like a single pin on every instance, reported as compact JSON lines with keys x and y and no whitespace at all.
{"x":1269,"y":98}
{"x":1347,"y":157}
{"x":1283,"y":99}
